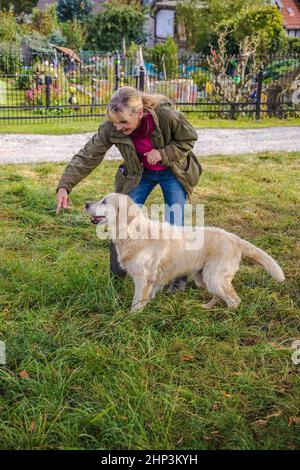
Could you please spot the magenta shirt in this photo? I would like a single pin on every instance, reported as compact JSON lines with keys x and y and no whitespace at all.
{"x":142,"y":142}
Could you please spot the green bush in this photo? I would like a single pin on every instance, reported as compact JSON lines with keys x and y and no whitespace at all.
{"x":165,"y":57}
{"x":279,"y":68}
{"x":38,"y":44}
{"x":19,"y":6}
{"x":107,"y":28}
{"x":44,"y":21}
{"x":8,"y":26}
{"x":73,"y":9}
{"x":294,"y":45}
{"x":10,"y":58}
{"x":264,"y":23}
{"x":200,"y":78}
{"x":23,"y":82}
{"x":56,"y":37}
{"x":75,"y":34}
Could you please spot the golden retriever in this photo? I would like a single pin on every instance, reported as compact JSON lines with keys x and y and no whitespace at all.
{"x":155,"y":253}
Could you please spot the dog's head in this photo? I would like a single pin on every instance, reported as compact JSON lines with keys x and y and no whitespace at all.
{"x":108,"y":209}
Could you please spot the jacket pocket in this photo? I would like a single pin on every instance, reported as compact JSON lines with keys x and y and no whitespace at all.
{"x":125,"y":183}
{"x":191,"y":170}
{"x":120,"y":179}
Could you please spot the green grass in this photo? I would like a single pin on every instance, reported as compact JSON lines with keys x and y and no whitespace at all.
{"x":60,"y":127}
{"x":100,"y":377}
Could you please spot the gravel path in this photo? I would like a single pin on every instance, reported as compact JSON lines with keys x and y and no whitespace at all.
{"x":27,"y":148}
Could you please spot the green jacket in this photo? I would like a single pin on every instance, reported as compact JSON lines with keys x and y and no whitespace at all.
{"x":173,"y":136}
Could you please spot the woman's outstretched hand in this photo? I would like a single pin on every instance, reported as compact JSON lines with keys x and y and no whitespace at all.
{"x":62,"y":200}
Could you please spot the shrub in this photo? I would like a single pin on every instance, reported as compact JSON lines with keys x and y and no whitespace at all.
{"x":107,"y":28}
{"x":44,"y":21}
{"x":165,"y":57}
{"x":10,"y":58}
{"x":264,"y":23}
{"x":8,"y":26}
{"x":23,"y":82}
{"x":73,"y":9}
{"x":294,"y":45}
{"x":75,"y":34}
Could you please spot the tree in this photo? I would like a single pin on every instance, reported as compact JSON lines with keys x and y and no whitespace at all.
{"x":44,"y":21}
{"x":8,"y":26}
{"x":73,"y":9}
{"x":75,"y":34}
{"x":19,"y":6}
{"x":294,"y":45}
{"x":233,"y":89}
{"x":107,"y":28}
{"x":165,"y":57}
{"x":189,"y":14}
{"x":202,"y":19}
{"x":264,"y":23}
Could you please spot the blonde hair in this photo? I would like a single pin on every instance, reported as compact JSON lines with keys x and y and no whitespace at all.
{"x":127,"y":100}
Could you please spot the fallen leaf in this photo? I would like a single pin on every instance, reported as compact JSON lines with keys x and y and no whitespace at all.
{"x":32,"y":427}
{"x":248,"y":341}
{"x":24,"y":374}
{"x":186,"y":358}
{"x":276,"y":346}
{"x":227,"y":395}
{"x":294,"y":420}
{"x":215,"y":434}
{"x":216,"y":406}
{"x":261,"y":422}
{"x":274,"y":415}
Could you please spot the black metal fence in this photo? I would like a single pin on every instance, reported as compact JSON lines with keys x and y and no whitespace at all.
{"x":66,"y":89}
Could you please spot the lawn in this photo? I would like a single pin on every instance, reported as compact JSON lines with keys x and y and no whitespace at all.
{"x":83,"y":372}
{"x":62,"y":126}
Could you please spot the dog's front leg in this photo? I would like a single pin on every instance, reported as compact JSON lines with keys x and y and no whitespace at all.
{"x":142,"y":294}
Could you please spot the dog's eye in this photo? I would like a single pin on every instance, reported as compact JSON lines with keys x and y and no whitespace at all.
{"x":104,"y":201}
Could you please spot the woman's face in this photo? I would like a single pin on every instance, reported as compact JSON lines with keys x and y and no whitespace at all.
{"x":130,"y":124}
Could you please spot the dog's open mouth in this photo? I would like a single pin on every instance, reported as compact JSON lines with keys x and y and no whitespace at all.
{"x":96,"y":219}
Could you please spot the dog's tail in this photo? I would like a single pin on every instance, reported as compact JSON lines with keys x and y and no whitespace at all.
{"x":261,"y":257}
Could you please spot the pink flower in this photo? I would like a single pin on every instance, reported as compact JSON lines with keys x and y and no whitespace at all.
{"x":29,"y":95}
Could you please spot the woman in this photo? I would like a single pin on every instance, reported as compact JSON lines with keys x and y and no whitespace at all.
{"x":155,"y":142}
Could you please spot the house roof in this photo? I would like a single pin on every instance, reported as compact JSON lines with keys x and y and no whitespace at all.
{"x":290,"y":10}
{"x":97,"y":4}
{"x":43,"y":3}
{"x":67,"y":51}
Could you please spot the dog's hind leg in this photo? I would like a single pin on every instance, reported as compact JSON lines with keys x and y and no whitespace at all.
{"x":198,"y":278}
{"x":217,"y":278}
{"x":211,"y":303}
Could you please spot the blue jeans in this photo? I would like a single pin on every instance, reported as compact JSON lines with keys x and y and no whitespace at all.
{"x":173,"y":193}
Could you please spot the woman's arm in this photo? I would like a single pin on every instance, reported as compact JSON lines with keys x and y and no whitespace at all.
{"x":183,"y":137}
{"x":88,"y":158}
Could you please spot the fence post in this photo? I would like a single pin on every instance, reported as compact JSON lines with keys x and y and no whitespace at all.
{"x":48,"y":82}
{"x":142,"y":79}
{"x":259,"y":93}
{"x":117,"y":70}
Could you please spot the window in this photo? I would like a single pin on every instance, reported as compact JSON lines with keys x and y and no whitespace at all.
{"x":165,"y":23}
{"x":291,"y":11}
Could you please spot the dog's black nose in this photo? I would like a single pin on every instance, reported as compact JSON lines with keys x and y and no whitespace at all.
{"x":87,"y":205}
